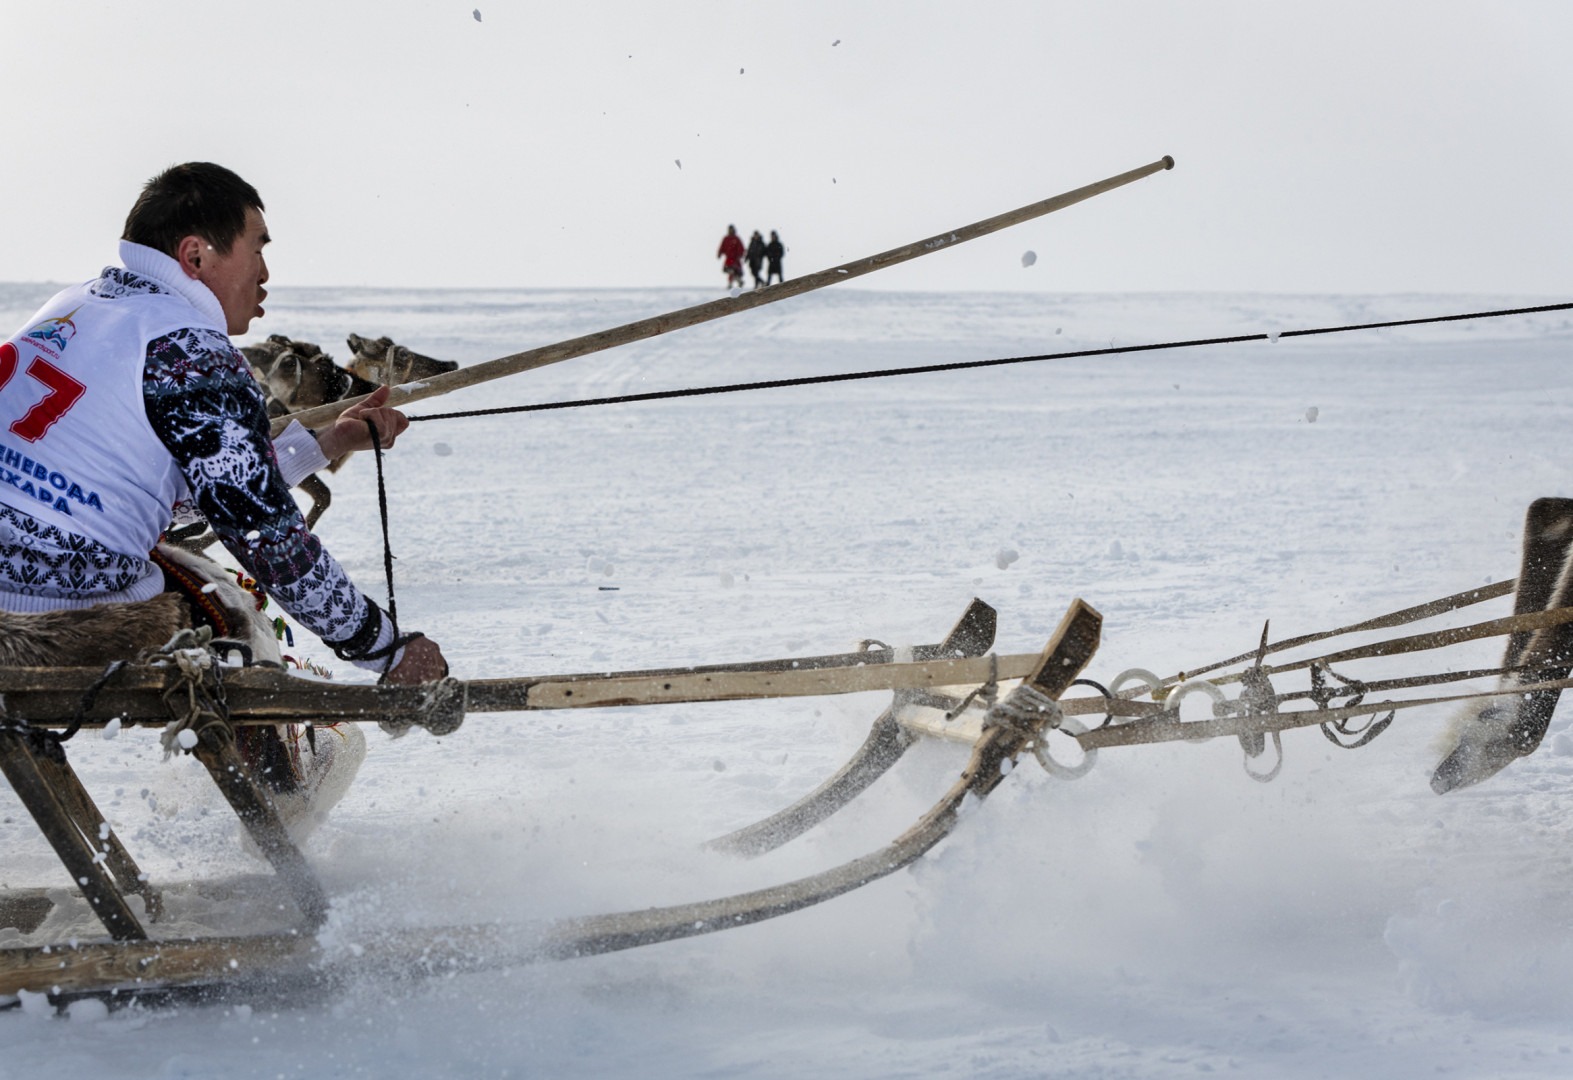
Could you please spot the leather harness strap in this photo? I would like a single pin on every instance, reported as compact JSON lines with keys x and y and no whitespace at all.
{"x":204,"y":603}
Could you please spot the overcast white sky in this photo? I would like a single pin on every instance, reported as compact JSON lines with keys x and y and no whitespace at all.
{"x":1343,"y":147}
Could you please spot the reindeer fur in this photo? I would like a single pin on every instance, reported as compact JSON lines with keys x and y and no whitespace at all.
{"x":90,"y":637}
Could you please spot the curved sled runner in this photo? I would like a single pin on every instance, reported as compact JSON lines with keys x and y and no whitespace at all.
{"x":972,"y":635}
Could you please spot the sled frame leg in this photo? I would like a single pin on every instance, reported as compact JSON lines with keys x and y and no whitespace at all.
{"x":37,"y":770}
{"x":216,"y":750}
{"x":90,"y":820}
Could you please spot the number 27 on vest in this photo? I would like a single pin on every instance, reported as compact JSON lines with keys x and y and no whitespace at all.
{"x":61,"y":392}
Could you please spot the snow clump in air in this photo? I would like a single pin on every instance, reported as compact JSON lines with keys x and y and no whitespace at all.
{"x":87,"y":1010}
{"x":1311,"y":414}
{"x":477,"y":14}
{"x":442,"y":449}
{"x":598,"y":565}
{"x":1004,"y":557}
{"x":727,"y":581}
{"x":1028,"y":258}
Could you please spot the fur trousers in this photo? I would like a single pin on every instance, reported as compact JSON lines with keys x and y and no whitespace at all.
{"x":304,"y":785}
{"x":95,"y":636}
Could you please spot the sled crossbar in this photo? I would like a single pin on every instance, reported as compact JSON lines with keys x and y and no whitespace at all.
{"x":50,"y":696}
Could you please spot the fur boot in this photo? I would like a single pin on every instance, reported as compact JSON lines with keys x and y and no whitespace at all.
{"x":305,"y":783}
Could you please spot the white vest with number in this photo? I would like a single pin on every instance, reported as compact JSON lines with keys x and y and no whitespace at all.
{"x":76,"y":449}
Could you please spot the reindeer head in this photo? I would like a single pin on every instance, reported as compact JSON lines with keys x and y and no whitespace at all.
{"x":298,"y":375}
{"x":382,"y":361}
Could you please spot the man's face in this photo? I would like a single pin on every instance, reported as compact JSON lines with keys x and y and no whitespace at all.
{"x":237,"y":278}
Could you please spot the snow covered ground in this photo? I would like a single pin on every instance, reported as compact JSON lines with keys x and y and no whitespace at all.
{"x":1163,"y":917}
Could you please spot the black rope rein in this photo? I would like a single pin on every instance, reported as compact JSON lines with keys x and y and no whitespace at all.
{"x":389,"y":651}
{"x":967,"y":365}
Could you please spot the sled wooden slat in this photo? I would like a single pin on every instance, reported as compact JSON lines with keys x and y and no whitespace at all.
{"x":50,"y":696}
{"x":966,"y":729}
{"x":676,"y":320}
{"x":1168,"y":728}
{"x":114,"y":966}
{"x":744,"y":685}
{"x":1436,"y":639}
{"x":1419,"y":612}
{"x":263,"y":696}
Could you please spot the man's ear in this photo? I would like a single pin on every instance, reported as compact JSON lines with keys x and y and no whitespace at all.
{"x":189,"y":255}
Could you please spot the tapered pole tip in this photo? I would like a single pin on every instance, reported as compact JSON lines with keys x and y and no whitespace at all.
{"x":1168,"y":162}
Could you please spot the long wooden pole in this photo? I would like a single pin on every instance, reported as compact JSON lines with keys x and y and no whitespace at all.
{"x":50,"y":696}
{"x":716,"y":309}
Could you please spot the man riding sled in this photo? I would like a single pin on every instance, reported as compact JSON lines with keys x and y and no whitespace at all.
{"x":125,"y":408}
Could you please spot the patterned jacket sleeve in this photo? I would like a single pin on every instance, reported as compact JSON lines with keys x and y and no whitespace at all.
{"x":209,"y":412}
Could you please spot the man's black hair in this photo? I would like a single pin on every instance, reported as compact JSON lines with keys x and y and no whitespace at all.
{"x":194,"y":199}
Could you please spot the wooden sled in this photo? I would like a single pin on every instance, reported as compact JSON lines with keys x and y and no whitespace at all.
{"x":40,"y":703}
{"x":997,"y":728}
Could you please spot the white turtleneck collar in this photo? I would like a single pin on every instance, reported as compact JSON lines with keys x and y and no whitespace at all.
{"x":156,"y":266}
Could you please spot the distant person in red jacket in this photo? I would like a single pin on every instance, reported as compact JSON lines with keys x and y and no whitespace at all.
{"x":731,"y":250}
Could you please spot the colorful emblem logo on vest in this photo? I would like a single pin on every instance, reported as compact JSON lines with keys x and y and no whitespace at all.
{"x":58,"y":332}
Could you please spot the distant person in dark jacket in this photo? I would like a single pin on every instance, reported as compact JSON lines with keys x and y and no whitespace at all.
{"x":773,"y":251}
{"x":731,"y":251}
{"x":756,"y":257}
